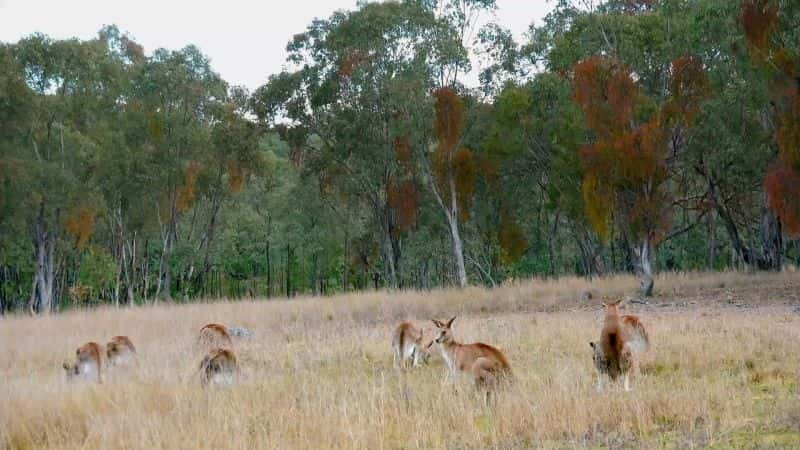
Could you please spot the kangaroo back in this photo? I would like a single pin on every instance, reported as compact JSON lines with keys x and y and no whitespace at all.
{"x":491,"y":353}
{"x":612,"y":340}
{"x":398,"y":341}
{"x":215,"y":335}
{"x":638,"y":340}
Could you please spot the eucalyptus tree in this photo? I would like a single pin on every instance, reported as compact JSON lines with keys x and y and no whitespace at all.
{"x":74,"y":86}
{"x":16,"y":109}
{"x":361,"y":80}
{"x":177,"y":93}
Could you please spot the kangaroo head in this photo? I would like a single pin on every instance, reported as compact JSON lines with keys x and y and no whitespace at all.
{"x":444,"y":331}
{"x":88,"y":352}
{"x":70,"y":369}
{"x":612,"y":306}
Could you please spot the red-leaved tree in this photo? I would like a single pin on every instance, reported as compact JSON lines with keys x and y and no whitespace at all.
{"x":761,"y":22}
{"x":626,"y":163}
{"x":454,"y":170}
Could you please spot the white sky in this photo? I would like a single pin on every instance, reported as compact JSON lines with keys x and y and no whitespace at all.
{"x":245,"y":40}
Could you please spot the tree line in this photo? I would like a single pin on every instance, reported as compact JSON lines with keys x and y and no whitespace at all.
{"x":631,"y":136}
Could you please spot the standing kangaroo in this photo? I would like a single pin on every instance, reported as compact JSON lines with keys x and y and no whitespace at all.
{"x":622,"y":339}
{"x":485,"y":364}
{"x":88,"y":363}
{"x":408,"y":346}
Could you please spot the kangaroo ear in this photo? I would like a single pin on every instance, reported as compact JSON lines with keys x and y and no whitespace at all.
{"x":437,"y":323}
{"x":450,"y":322}
{"x":591,"y":344}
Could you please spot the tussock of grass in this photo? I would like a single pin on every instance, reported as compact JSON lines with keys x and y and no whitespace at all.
{"x":319,"y":374}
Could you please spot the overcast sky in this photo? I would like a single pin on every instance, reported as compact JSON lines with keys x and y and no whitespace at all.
{"x":245,"y":40}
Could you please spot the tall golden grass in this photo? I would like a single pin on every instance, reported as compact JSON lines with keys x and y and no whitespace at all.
{"x":319,"y":374}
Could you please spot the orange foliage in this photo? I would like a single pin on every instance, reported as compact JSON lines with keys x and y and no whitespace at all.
{"x":186,"y":192}
{"x":450,"y":160}
{"x":607,"y":94}
{"x":759,"y":17}
{"x":626,"y":167}
{"x":788,"y":64}
{"x":80,"y":224}
{"x":783,"y":186}
{"x":350,"y":62}
{"x":488,"y":170}
{"x":404,"y":200}
{"x":690,"y":87}
{"x":596,"y":196}
{"x":512,"y":241}
{"x":402,"y":150}
{"x":788,"y":133}
{"x":643,"y":153}
{"x":449,"y":124}
{"x":783,"y":180}
{"x":236,"y":177}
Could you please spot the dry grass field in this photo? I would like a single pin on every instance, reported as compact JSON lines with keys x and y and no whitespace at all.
{"x":723,"y":371}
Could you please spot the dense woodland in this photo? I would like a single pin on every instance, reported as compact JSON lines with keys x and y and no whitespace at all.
{"x":633,"y":136}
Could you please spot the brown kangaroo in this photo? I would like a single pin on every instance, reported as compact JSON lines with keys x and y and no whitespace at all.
{"x":622,"y":339}
{"x":219,"y":368}
{"x":215,"y":335}
{"x":408,"y":346}
{"x":487,"y":365}
{"x":120,"y":351}
{"x":88,"y":363}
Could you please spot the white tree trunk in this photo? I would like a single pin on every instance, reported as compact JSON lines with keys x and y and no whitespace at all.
{"x":458,"y":251}
{"x":644,"y":254}
{"x":44,"y":276}
{"x":451,"y":214}
{"x":131,"y":272}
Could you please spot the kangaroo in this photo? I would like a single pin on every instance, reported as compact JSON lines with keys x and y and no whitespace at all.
{"x":88,"y":363}
{"x":622,"y":339}
{"x":219,"y":367}
{"x":215,"y":335}
{"x":485,"y":364}
{"x":408,"y":346}
{"x":120,"y":351}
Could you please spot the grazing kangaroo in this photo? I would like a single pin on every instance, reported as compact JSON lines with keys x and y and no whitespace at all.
{"x":219,"y":368}
{"x":622,"y":339}
{"x":485,"y":364}
{"x":88,"y":363}
{"x":120,"y":351}
{"x":408,"y":346}
{"x":215,"y":335}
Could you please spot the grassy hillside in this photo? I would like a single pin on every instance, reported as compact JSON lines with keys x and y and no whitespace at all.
{"x":724,"y":371}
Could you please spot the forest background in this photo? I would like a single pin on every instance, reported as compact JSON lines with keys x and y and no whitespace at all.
{"x":630,"y":136}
